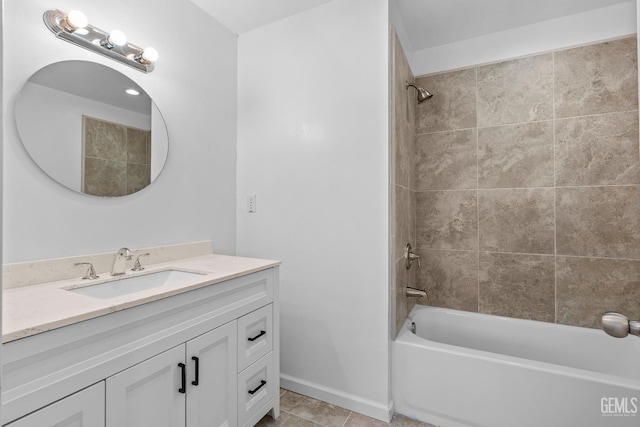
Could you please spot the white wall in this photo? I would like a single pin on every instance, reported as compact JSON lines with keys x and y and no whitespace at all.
{"x":1,"y":167}
{"x":194,"y":85}
{"x":582,"y":28}
{"x":313,"y":147}
{"x":50,"y":125}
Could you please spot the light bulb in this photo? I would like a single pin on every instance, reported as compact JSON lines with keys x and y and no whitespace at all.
{"x":149,"y":54}
{"x":76,"y":19}
{"x":117,"y":38}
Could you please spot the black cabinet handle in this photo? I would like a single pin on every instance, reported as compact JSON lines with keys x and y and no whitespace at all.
{"x":262,"y":383}
{"x":257,"y":336}
{"x":182,"y":389}
{"x":197,"y":360}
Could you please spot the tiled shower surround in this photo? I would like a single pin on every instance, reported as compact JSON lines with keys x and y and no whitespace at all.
{"x":524,"y":184}
{"x":403,"y":108}
{"x":117,"y":158}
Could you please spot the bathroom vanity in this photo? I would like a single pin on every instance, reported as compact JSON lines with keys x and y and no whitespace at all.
{"x":201,"y":350}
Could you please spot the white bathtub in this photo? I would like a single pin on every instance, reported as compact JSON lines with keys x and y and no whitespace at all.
{"x":468,"y":369}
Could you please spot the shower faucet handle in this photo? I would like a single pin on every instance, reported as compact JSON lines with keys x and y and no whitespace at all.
{"x":409,"y":257}
{"x":91,"y":272}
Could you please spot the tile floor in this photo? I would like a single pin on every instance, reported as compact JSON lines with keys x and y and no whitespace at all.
{"x":297,"y":410}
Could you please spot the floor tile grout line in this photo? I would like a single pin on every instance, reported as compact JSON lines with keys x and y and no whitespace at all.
{"x":347,"y":419}
{"x":304,"y":418}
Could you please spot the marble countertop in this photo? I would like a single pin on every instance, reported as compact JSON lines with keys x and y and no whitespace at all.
{"x":34,"y":309}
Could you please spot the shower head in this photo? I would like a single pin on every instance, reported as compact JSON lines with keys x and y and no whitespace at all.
{"x":423,"y":94}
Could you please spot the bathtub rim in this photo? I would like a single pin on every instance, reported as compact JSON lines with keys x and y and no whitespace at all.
{"x":408,"y":338}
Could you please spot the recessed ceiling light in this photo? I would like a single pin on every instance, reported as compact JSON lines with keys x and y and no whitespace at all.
{"x":132,"y":92}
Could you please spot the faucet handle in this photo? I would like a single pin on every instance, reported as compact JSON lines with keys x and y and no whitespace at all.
{"x":410,"y":256}
{"x":136,"y":265}
{"x":91,"y":272}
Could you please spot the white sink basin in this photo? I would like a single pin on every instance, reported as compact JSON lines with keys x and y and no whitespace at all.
{"x":130,"y":284}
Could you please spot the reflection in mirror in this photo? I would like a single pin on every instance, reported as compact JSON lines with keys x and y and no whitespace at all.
{"x":91,"y":128}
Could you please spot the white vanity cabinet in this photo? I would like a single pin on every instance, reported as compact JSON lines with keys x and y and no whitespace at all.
{"x":82,"y":409}
{"x":156,"y":392}
{"x":205,"y":357}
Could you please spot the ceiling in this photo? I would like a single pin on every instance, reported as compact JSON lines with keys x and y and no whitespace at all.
{"x":436,"y":22}
{"x":428,"y":22}
{"x":241,"y":16}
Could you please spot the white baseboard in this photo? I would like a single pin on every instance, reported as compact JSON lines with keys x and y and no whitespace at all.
{"x":348,"y":401}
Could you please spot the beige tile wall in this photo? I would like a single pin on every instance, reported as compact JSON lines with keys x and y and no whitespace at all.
{"x":403,"y":193}
{"x":117,"y":158}
{"x":527,"y":182}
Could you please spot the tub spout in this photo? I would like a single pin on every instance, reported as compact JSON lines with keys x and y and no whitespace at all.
{"x":415,"y":293}
{"x":617,"y":325}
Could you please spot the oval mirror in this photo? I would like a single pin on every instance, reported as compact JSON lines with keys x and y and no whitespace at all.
{"x":91,"y":128}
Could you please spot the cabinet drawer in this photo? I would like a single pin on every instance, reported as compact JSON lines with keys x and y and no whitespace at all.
{"x":83,"y":409}
{"x":255,"y":388}
{"x":255,"y":336}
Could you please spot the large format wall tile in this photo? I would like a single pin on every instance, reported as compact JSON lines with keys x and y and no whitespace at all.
{"x":516,"y":156}
{"x":516,"y":220}
{"x":447,"y":220}
{"x":600,"y":78}
{"x":400,"y":296}
{"x":598,"y":150}
{"x":137,"y":146}
{"x":403,"y":109}
{"x":104,"y":177}
{"x":138,"y":177}
{"x":516,"y":91}
{"x":517,"y":285}
{"x":587,"y":287}
{"x":557,"y":185}
{"x":105,"y":140}
{"x":403,"y":153}
{"x":453,"y":105}
{"x":446,"y":160}
{"x":450,"y":278}
{"x":405,"y":99}
{"x":402,"y":220}
{"x":598,"y":221}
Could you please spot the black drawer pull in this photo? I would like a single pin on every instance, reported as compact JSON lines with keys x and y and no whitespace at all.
{"x":262,"y":383}
{"x":257,"y":336}
{"x":182,"y":389}
{"x":197,"y":360}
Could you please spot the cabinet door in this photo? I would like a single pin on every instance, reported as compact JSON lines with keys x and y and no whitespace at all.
{"x":147,"y":394}
{"x":82,"y":409}
{"x":212,"y":396}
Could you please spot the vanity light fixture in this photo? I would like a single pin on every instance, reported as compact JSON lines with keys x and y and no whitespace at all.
{"x":75,"y":20}
{"x":74,"y":27}
{"x":114,"y":39}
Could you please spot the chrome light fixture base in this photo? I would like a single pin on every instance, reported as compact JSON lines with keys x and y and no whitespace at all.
{"x":91,"y":37}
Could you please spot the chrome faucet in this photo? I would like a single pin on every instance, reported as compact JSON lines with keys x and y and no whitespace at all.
{"x":120,"y":262}
{"x":416,"y":293}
